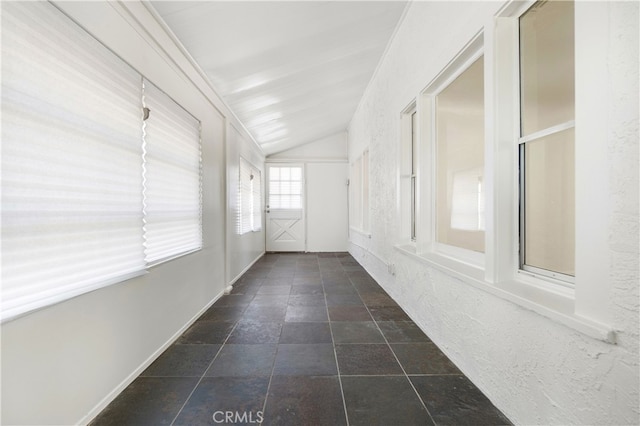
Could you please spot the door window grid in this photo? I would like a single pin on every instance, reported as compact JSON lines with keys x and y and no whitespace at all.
{"x":285,"y":187}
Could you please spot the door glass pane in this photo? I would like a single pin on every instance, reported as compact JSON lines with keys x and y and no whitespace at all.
{"x":547,"y":65}
{"x":550,"y":202}
{"x":285,"y":187}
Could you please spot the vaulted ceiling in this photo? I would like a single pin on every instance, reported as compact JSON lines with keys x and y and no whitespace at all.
{"x":292,"y":71}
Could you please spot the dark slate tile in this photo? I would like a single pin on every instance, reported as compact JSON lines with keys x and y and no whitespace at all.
{"x":383,"y":401}
{"x":243,"y":396}
{"x":366,"y":359}
{"x":219,"y":314}
{"x":306,"y":332}
{"x":307,"y":280}
{"x":243,"y":360}
{"x":278,"y":281}
{"x":245,"y":289}
{"x":368,"y":287}
{"x":339,"y":289}
{"x":255,"y":332}
{"x":233,"y":300}
{"x":206,"y":332}
{"x":306,"y":289}
{"x":265,"y":313}
{"x":349,"y":313}
{"x":280,"y":300}
{"x":423,"y":358}
{"x":377,"y":299}
{"x":388,"y":313}
{"x":356,"y":332}
{"x":336,"y":280}
{"x":182,"y":361}
{"x":148,"y":401}
{"x":301,"y":400}
{"x":275,"y":289}
{"x":402,"y":332}
{"x":281,"y":273}
{"x":307,"y":300}
{"x":306,"y":314}
{"x":455,"y":400}
{"x":305,"y":360}
{"x":343,"y":300}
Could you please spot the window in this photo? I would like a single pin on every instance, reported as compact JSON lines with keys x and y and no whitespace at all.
{"x":285,"y":187}
{"x":414,"y":171}
{"x":459,"y":127}
{"x":80,"y":178}
{"x":250,"y":210}
{"x":359,"y":190}
{"x":547,"y":198}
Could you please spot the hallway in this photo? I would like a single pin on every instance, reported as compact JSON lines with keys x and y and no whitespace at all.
{"x":269,"y":350}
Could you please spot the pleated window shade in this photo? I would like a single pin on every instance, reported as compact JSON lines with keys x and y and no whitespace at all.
{"x":92,"y":194}
{"x":256,"y":195}
{"x":172,"y":169}
{"x":72,"y":216}
{"x":250,"y":206}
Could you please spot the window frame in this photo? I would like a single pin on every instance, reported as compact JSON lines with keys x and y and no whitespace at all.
{"x":359,"y":211}
{"x":253,"y":193}
{"x":522,"y":141}
{"x":427,"y":240}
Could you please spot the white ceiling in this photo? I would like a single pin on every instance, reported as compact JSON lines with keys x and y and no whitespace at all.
{"x":292,"y":71}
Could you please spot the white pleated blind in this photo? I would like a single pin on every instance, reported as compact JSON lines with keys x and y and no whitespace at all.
{"x":256,"y":195}
{"x":245,"y":207}
{"x":250,"y":196}
{"x":71,"y":161}
{"x":172,"y":183}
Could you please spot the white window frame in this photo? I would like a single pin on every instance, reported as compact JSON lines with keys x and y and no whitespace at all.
{"x":359,"y":215}
{"x":408,"y":174}
{"x":586,"y":308}
{"x":426,"y":240}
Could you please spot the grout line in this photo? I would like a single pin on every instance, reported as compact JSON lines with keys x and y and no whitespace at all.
{"x":335,"y":354}
{"x":205,"y":372}
{"x":396,"y":358}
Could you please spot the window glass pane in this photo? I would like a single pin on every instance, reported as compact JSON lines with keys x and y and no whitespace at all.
{"x":460,"y":160}
{"x":549,"y":202}
{"x":547,"y":65}
{"x":296,"y":173}
{"x":274,"y":173}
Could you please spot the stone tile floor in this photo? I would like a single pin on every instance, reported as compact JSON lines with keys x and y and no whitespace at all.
{"x":303,"y":339}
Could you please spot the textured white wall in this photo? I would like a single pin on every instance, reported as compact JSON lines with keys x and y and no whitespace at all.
{"x":535,"y":370}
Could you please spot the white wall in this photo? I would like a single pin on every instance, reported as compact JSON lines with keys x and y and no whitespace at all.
{"x":333,"y":147}
{"x":535,"y":369}
{"x":326,"y":199}
{"x":327,"y":208}
{"x":62,"y":364}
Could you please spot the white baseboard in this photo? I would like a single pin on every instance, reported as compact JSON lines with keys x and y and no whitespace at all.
{"x":134,"y":375}
{"x":233,"y":281}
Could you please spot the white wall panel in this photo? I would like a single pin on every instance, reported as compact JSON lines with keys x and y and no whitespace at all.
{"x":327,"y":212}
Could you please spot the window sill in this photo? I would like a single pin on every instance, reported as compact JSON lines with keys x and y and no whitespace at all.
{"x":360,"y":231}
{"x":555,"y":305}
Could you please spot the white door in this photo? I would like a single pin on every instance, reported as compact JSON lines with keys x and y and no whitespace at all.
{"x":285,"y":208}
